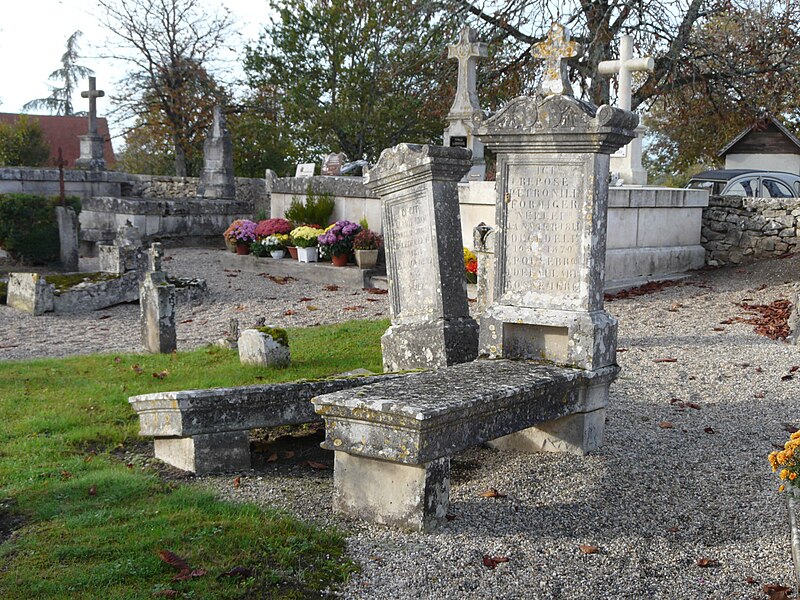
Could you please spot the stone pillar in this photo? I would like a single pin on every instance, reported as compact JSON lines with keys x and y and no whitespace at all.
{"x":550,"y":244}
{"x":431,"y":326}
{"x":91,"y":157}
{"x":157,"y":307}
{"x":125,"y":254}
{"x":68,"y":237}
{"x":217,"y":180}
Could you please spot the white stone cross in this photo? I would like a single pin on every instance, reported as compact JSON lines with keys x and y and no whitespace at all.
{"x":555,"y":50}
{"x":467,"y":51}
{"x":625,"y":66}
{"x":93,"y":94}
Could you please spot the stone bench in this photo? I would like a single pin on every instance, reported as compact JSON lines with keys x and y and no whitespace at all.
{"x":205,"y":431}
{"x":393,"y":440}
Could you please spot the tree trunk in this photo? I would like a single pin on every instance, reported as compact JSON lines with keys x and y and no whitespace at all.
{"x":180,"y":160}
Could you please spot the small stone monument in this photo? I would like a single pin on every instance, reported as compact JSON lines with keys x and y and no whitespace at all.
{"x":68,"y":237}
{"x":217,"y":180}
{"x":431,"y":326}
{"x":466,"y":113}
{"x":332,"y":165}
{"x":550,"y":242}
{"x":125,"y":254}
{"x":264,"y":347}
{"x":627,"y":161}
{"x":91,"y":156}
{"x":157,"y":306}
{"x":305,"y":170}
{"x":30,"y":293}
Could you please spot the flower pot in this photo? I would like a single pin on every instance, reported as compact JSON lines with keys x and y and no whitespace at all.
{"x":277,"y":253}
{"x":292,"y":251}
{"x":367,"y":259}
{"x":339,"y":260}
{"x":242,"y":248}
{"x":307,"y":255}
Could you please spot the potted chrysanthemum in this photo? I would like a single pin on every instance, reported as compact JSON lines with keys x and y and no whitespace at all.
{"x":337,"y":241}
{"x":366,"y":245}
{"x":305,"y":239}
{"x":241,"y":232}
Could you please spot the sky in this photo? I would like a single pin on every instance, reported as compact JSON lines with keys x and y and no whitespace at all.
{"x":33,"y":36}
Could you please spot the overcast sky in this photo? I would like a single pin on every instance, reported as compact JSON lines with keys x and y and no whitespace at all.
{"x":33,"y":35}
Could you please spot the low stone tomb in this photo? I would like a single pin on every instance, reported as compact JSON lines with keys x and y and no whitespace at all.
{"x":37,"y":294}
{"x":205,"y":431}
{"x":393,"y":440}
{"x":264,"y":347}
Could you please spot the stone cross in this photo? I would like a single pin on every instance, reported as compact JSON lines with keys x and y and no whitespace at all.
{"x":554,"y":50}
{"x":626,"y":65}
{"x":93,"y":94}
{"x":467,"y":52}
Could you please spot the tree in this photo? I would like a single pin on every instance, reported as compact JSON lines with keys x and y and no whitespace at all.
{"x":728,"y":87}
{"x":22,"y":144}
{"x":354,"y":76}
{"x":169,"y":45}
{"x":59,"y":102}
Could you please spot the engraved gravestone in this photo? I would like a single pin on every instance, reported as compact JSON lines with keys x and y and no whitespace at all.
{"x":332,"y":164}
{"x":431,"y":326}
{"x":550,"y":241}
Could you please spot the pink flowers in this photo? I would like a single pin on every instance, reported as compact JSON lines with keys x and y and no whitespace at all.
{"x":270,"y":227}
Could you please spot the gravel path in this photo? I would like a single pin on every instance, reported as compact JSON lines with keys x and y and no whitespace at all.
{"x":653,"y":500}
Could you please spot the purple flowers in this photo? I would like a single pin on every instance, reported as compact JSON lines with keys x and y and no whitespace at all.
{"x":241,"y":231}
{"x":338,"y":238}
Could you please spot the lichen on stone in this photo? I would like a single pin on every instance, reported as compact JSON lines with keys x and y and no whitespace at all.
{"x":279,"y":335}
{"x":67,"y":281}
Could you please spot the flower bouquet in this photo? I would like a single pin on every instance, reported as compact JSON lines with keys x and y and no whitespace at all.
{"x":305,"y":238}
{"x":337,"y":241}
{"x":366,"y":244}
{"x":470,"y":266}
{"x":241,"y":232}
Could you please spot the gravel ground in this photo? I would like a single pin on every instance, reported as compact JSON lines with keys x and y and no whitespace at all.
{"x":653,"y":500}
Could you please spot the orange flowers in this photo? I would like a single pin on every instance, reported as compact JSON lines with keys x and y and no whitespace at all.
{"x":786,"y":461}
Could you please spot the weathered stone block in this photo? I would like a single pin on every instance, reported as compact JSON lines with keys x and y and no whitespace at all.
{"x":157,"y":313}
{"x":29,"y":292}
{"x":206,"y":452}
{"x":262,"y":349}
{"x":68,"y":237}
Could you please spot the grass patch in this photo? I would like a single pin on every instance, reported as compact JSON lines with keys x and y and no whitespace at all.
{"x":93,"y":526}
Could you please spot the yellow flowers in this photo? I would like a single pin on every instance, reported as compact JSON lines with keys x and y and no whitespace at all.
{"x":786,"y":461}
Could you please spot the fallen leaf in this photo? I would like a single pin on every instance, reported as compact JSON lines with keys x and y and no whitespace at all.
{"x":587,"y":549}
{"x":750,"y":580}
{"x":187,"y":575}
{"x":93,"y":490}
{"x":117,"y":359}
{"x":673,"y":529}
{"x":288,"y":454}
{"x":137,"y":369}
{"x":665,"y":425}
{"x":693,"y":405}
{"x":65,"y":475}
{"x":450,"y":517}
{"x":493,"y":493}
{"x":787,"y":377}
{"x":718,"y":329}
{"x":776,"y":592}
{"x":272,"y":457}
{"x":187,"y":321}
{"x":665,"y":360}
{"x":648,"y":288}
{"x":709,"y":430}
{"x":794,"y":369}
{"x":376,"y":291}
{"x":237,"y":482}
{"x":490,"y":562}
{"x":280,"y":280}
{"x":675,"y":306}
{"x":174,"y":560}
{"x":760,"y":395}
{"x":231,"y":275}
{"x":352,"y":308}
{"x":331,"y":287}
{"x":759,"y":370}
{"x":288,"y":313}
{"x":162,"y":375}
{"x":103,"y":317}
{"x":376,"y":558}
{"x":622,"y":349}
{"x":242,"y":572}
{"x":310,"y":307}
{"x":373,"y":299}
{"x":305,"y":299}
{"x":789,"y":428}
{"x":705,"y":562}
{"x":316,"y":465}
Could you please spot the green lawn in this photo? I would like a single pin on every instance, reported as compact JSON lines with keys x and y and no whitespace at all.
{"x":92,"y":526}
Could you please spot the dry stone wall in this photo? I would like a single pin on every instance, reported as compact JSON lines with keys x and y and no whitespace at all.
{"x":739,"y":230}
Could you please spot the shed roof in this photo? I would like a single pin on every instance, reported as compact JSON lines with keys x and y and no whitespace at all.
{"x":761,"y":125}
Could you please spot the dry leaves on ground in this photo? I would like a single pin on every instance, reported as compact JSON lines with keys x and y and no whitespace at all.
{"x":493,"y":493}
{"x":490,"y":562}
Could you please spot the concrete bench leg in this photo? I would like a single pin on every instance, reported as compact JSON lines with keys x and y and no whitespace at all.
{"x":574,"y":434}
{"x":411,"y":497}
{"x":206,"y":452}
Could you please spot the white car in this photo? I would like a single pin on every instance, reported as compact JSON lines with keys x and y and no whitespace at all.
{"x":749,"y":183}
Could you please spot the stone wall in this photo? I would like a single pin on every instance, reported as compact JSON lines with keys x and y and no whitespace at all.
{"x":739,"y":230}
{"x":162,"y":187}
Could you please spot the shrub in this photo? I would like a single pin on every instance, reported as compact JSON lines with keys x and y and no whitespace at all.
{"x":22,"y":144}
{"x":28,"y":226}
{"x":317,"y":209}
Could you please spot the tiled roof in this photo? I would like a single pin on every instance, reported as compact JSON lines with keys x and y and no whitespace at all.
{"x":64,"y":132}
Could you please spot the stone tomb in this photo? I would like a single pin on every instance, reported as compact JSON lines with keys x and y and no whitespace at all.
{"x":431,"y":326}
{"x":393,"y":440}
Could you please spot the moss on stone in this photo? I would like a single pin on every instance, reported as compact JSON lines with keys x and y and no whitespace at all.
{"x":67,"y":281}
{"x":277,"y":334}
